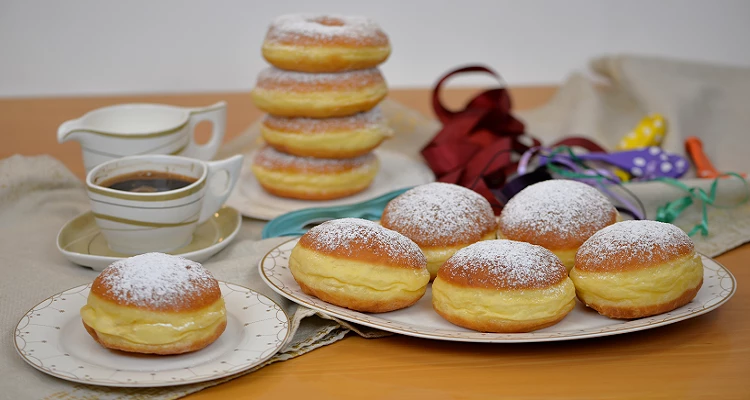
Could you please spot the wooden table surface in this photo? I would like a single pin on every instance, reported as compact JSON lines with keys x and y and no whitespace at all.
{"x":707,"y":357}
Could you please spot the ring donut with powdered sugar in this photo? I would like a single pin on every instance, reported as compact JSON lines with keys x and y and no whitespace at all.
{"x":325,"y":43}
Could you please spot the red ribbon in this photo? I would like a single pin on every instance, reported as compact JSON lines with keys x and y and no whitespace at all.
{"x":476,"y":142}
{"x":475,"y":148}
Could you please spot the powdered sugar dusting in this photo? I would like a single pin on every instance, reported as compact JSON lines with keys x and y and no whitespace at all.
{"x":566,"y":209}
{"x":326,"y":28}
{"x":633,"y":243}
{"x":275,"y":76}
{"x":270,"y":158}
{"x":349,"y":236}
{"x":504,"y":264}
{"x":369,"y":119}
{"x":156,"y":280}
{"x":440,"y":214}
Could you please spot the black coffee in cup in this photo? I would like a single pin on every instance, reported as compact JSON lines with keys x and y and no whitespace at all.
{"x":148,"y":182}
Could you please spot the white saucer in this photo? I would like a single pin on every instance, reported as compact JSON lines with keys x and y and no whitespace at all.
{"x":81,"y":242}
{"x":397,"y":171}
{"x":52,"y":339}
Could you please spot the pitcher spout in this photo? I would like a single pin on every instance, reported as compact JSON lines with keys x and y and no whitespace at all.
{"x":70,"y":130}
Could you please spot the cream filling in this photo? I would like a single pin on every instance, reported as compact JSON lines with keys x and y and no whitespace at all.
{"x":639,"y":288}
{"x":436,"y":257}
{"x":352,"y":278}
{"x":511,"y":305}
{"x":150,"y":327}
{"x":317,"y":182}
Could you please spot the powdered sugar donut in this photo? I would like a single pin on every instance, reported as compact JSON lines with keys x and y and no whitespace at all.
{"x":300,"y":94}
{"x":558,"y":215}
{"x":503,"y":286}
{"x":309,"y":178}
{"x":325,"y":43}
{"x":358,"y":264}
{"x":341,"y":137}
{"x":155,"y":303}
{"x":441,"y":218}
{"x":634,"y":269}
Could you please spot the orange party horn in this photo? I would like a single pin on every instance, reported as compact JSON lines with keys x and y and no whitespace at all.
{"x":703,"y":166}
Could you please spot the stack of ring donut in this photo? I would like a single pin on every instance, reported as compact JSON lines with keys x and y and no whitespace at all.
{"x":320,"y":95}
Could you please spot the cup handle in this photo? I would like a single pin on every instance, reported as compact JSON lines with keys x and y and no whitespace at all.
{"x":212,"y":202}
{"x":217,"y":114}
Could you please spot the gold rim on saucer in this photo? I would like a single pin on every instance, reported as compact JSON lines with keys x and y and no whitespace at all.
{"x":81,"y":241}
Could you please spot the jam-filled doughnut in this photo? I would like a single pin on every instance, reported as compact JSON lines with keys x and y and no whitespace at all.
{"x":300,"y":94}
{"x":340,"y":137}
{"x":325,"y":43}
{"x":503,"y":286}
{"x":558,"y":215}
{"x":634,"y":269}
{"x":155,"y":303}
{"x":309,"y":178}
{"x":360,"y":265}
{"x":440,"y":218}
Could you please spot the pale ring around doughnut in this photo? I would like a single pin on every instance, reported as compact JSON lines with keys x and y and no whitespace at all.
{"x":155,"y":303}
{"x":299,"y":94}
{"x":503,"y":286}
{"x":309,"y":178}
{"x":635,"y":269}
{"x":360,"y":265}
{"x":341,"y":137}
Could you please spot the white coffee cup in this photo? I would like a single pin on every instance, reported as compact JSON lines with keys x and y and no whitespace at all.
{"x":137,"y":222}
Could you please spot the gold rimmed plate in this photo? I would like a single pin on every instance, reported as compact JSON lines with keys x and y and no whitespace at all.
{"x":81,"y":241}
{"x":51,"y":338}
{"x":420,"y":320}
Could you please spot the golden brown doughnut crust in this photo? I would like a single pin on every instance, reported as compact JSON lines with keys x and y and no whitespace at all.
{"x":439,"y":214}
{"x":204,"y":290}
{"x":558,"y":214}
{"x":282,"y":30}
{"x":324,"y":125}
{"x":633,"y":245}
{"x":503,"y":265}
{"x":361,"y":240}
{"x":274,"y":79}
{"x":272,"y":159}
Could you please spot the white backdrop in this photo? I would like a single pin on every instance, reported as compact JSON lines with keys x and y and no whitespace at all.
{"x":78,"y":47}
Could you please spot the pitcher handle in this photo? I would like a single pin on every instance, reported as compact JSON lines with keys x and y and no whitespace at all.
{"x":217,"y":114}
{"x":212,"y":201}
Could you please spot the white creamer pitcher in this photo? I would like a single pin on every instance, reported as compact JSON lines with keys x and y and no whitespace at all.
{"x":136,"y":129}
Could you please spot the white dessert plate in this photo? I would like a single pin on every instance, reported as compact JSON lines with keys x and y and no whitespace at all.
{"x":52,"y":339}
{"x":81,"y":241}
{"x":420,"y":320}
{"x":397,"y":171}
